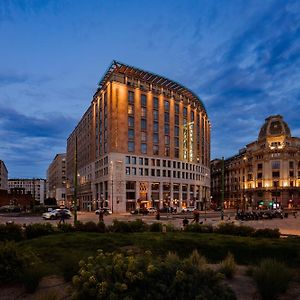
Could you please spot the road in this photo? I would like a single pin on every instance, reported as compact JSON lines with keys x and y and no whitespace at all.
{"x":290,"y":225}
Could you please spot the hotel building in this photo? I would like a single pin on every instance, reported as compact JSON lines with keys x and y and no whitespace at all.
{"x":266,"y":173}
{"x":143,"y":141}
{"x":56,"y":179}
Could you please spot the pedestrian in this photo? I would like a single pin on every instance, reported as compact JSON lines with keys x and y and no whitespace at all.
{"x":62,"y":216}
{"x":196,"y":217}
{"x":185,"y":222}
{"x":157,"y":215}
{"x":101,"y":216}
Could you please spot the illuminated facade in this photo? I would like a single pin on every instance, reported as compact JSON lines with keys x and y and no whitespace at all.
{"x":144,"y":141}
{"x":265,"y":173}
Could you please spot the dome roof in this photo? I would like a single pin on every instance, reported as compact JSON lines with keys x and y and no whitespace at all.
{"x":274,"y":126}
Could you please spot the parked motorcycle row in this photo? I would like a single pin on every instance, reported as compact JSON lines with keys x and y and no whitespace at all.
{"x":259,"y":215}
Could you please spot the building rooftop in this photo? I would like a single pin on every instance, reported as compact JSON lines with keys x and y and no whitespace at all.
{"x":117,"y":67}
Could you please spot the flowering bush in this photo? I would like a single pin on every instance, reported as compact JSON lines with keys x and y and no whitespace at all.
{"x":144,"y":276}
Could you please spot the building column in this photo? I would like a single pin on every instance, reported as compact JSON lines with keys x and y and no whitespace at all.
{"x":137,"y":193}
{"x":180,"y":197}
{"x":195,"y":195}
{"x":188,"y":199}
{"x":149,"y":193}
{"x":171,"y":194}
{"x":160,"y":194}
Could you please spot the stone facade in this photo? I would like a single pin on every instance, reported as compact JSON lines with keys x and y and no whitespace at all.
{"x":265,"y":173}
{"x":144,"y":141}
{"x":3,"y":176}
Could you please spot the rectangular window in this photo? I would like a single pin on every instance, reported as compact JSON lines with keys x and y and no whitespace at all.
{"x":155,"y":115}
{"x":141,"y":171}
{"x":143,"y":124}
{"x":185,"y":111}
{"x":131,"y":121}
{"x":127,"y":160}
{"x":167,"y":105}
{"x":155,"y":102}
{"x":192,"y":116}
{"x":127,"y":170}
{"x":133,"y":171}
{"x":291,"y":165}
{"x":259,"y":175}
{"x":141,"y":160}
{"x":291,"y":173}
{"x":130,"y":134}
{"x":259,"y":166}
{"x":144,"y":148}
{"x":143,"y":112}
{"x":176,"y":131}
{"x":164,"y":163}
{"x":276,"y":174}
{"x":155,"y":138}
{"x":167,"y":117}
{"x":131,"y":97}
{"x":155,"y":127}
{"x":276,"y":164}
{"x":158,"y":173}
{"x":167,"y":151}
{"x":167,"y":129}
{"x":153,"y":172}
{"x":176,"y":108}
{"x":143,"y":136}
{"x":155,"y":149}
{"x":133,"y":160}
{"x":146,"y":172}
{"x":176,"y":119}
{"x":130,"y":146}
{"x":167,"y":140}
{"x":176,"y":142}
{"x":146,"y":161}
{"x":130,"y":109}
{"x":143,"y":100}
{"x":158,"y":162}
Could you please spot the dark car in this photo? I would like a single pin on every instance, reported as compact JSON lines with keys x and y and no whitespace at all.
{"x":143,"y":211}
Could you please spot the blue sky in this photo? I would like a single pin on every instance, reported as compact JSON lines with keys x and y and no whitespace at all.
{"x":241,"y":57}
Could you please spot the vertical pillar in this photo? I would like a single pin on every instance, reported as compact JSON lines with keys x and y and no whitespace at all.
{"x":160,"y":194}
{"x":195,"y":196}
{"x":188,"y":195}
{"x":137,"y":191}
{"x":149,"y":198}
{"x":171,"y":194}
{"x":180,"y":197}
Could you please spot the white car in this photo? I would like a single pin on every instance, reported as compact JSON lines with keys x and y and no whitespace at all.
{"x":152,"y":210}
{"x":188,"y":209}
{"x":106,"y":211}
{"x":56,"y":214}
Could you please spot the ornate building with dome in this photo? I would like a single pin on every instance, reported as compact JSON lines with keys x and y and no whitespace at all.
{"x":264,"y":174}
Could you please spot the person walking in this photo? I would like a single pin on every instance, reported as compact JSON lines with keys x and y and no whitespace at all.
{"x":62,"y":217}
{"x":101,"y":216}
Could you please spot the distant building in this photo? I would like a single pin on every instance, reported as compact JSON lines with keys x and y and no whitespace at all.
{"x":35,"y":187}
{"x":16,"y":197}
{"x":266,"y":173}
{"x":144,"y":141}
{"x":3,"y":176}
{"x":56,"y":179}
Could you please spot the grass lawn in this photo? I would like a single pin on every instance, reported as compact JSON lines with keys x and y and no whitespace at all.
{"x":58,"y":250}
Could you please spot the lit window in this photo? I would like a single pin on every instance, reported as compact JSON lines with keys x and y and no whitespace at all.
{"x":141,"y":160}
{"x":130,"y":109}
{"x":127,"y":170}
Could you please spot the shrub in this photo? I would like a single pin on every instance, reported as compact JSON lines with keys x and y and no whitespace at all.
{"x":145,"y":276}
{"x":155,"y":227}
{"x":228,"y":266}
{"x":31,"y":277}
{"x":267,"y":232}
{"x":15,"y":262}
{"x":231,"y":229}
{"x":272,"y":278}
{"x":69,"y":267}
{"x":101,"y":227}
{"x":207,"y":228}
{"x":65,"y":227}
{"x":11,"y":232}
{"x":38,"y":229}
{"x":120,"y":226}
{"x":90,"y":227}
{"x":138,"y":226}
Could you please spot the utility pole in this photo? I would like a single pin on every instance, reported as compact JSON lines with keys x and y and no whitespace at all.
{"x":222,"y":195}
{"x":75,"y":183}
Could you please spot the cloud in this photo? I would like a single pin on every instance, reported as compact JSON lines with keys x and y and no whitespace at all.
{"x":28,"y":144}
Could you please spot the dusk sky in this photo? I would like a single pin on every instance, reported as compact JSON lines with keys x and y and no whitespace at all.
{"x":242,"y":58}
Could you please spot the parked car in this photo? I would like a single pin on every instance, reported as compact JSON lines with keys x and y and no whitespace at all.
{"x":167,"y":209}
{"x":152,"y":210}
{"x":106,"y":211}
{"x":56,"y":214}
{"x":143,"y":211}
{"x":188,"y":209}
